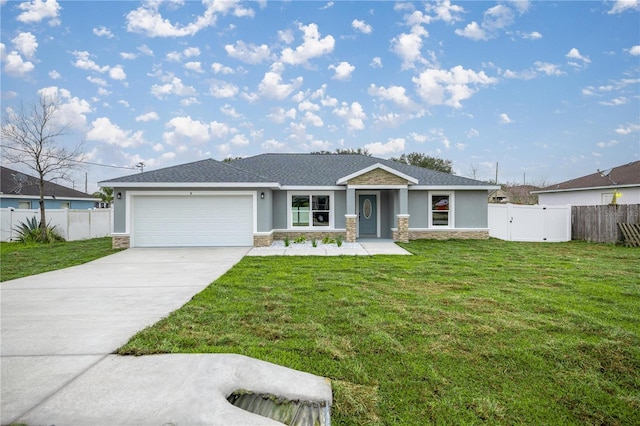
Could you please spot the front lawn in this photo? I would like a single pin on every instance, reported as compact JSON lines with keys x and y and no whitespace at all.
{"x":21,"y":260}
{"x":463,"y":332}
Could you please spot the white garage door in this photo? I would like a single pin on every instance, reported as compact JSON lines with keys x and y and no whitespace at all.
{"x":190,"y":221}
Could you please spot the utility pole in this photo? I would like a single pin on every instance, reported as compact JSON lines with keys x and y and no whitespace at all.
{"x":85,"y":182}
{"x":140,"y":166}
{"x":496,"y":172}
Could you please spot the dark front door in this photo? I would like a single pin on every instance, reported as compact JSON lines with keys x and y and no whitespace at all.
{"x":368,"y":217}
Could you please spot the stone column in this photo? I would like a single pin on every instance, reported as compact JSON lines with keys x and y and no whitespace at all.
{"x":120,"y":241}
{"x":403,"y":228}
{"x":351,"y":227}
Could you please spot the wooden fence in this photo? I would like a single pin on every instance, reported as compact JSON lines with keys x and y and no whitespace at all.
{"x":599,"y":224}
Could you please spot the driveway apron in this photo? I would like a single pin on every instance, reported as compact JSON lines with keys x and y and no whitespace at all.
{"x":57,"y":325}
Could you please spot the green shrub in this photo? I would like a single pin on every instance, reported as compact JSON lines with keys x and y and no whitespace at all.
{"x":339,"y":241}
{"x":286,"y":241}
{"x":29,"y":232}
{"x":327,"y":240}
{"x":314,"y":243}
{"x":301,"y":239}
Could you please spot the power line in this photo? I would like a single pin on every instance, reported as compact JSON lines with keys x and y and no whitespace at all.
{"x":75,"y":161}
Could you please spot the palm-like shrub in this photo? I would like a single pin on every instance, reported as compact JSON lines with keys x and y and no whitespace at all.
{"x":29,"y":232}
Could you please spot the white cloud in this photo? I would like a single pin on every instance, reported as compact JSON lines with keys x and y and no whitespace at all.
{"x":408,"y":46}
{"x":395,"y":94}
{"x":608,"y":144}
{"x":273,"y":145}
{"x":280,"y":115}
{"x":622,"y":130}
{"x":498,"y":17}
{"x":307,"y":105}
{"x":218,"y":68}
{"x":621,"y":6}
{"x":635,"y":50}
{"x":184,"y":129}
{"x":191,"y":52}
{"x":531,"y":36}
{"x":504,"y":119}
{"x":327,"y":6}
{"x":103,"y":92}
{"x":150,"y":116}
{"x":175,"y":87}
{"x":148,"y":20}
{"x":286,"y":36}
{"x":221,"y":89}
{"x":227,"y":109}
{"x":117,"y":73}
{"x":84,"y":62}
{"x":103,"y":130}
{"x":97,"y":80}
{"x":312,"y":47}
{"x":145,"y":50}
{"x":38,"y":10}
{"x":103,"y":32}
{"x":72,"y":109}
{"x":376,"y":62}
{"x":473,"y":31}
{"x":313,"y":119}
{"x":342,"y":71}
{"x":272,"y":87}
{"x":248,"y":53}
{"x":54,"y":75}
{"x":189,"y":101}
{"x":14,"y":65}
{"x":392,"y":146}
{"x":361,"y":26}
{"x":547,"y":68}
{"x":128,"y":56}
{"x":438,"y":87}
{"x":575,"y":54}
{"x":26,"y":44}
{"x":239,"y":140}
{"x":615,"y":102}
{"x":194,"y":66}
{"x":353,"y":114}
{"x":445,"y":11}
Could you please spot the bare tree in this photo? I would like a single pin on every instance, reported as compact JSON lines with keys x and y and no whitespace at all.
{"x":31,"y":136}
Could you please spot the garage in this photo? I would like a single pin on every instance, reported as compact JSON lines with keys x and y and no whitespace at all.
{"x":192,"y":220}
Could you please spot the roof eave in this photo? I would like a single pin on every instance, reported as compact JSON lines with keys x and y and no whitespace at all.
{"x":388,"y":169}
{"x":589,"y":188}
{"x":111,"y":184}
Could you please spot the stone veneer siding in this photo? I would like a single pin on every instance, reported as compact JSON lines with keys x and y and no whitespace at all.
{"x":262,"y":240}
{"x":377,"y":177}
{"x":120,"y":241}
{"x":457,"y":234}
{"x":351,"y":228}
{"x":309,"y":235}
{"x":402,"y":232}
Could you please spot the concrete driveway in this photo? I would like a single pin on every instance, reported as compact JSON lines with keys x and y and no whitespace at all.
{"x":56,"y":326}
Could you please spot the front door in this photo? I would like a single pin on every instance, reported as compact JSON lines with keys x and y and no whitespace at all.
{"x":367,"y":216}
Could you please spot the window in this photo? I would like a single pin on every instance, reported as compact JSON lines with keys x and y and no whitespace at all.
{"x":65,"y":205}
{"x":441,"y":208}
{"x":24,"y":204}
{"x":310,"y":210}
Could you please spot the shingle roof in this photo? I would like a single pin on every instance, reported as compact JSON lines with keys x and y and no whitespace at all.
{"x":209,"y":171}
{"x":326,"y":169}
{"x":17,"y":183}
{"x":288,"y":170}
{"x":627,"y":174}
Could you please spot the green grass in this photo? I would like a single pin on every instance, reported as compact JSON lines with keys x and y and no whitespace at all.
{"x":21,"y":260}
{"x":464,"y":332}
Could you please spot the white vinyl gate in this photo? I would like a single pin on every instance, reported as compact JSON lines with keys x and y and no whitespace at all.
{"x":513,"y":222}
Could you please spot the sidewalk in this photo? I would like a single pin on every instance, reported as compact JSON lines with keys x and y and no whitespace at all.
{"x":361,"y":248}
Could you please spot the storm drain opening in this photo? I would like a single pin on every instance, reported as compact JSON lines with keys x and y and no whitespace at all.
{"x":289,"y":412}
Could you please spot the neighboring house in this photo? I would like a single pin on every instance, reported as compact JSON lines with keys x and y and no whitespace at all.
{"x":498,"y":196}
{"x":618,"y":185}
{"x":255,"y":200}
{"x":21,"y":191}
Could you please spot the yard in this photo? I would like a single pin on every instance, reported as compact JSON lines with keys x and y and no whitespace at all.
{"x":21,"y":260}
{"x":464,"y":332}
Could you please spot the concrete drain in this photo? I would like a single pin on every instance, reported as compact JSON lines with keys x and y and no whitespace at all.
{"x":289,"y":412}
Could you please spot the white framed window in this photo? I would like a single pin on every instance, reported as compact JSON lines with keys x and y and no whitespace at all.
{"x":441,"y":208}
{"x":65,"y":205}
{"x":24,"y":204}
{"x":310,"y":210}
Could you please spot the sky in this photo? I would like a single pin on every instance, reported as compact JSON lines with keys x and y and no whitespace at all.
{"x":545,"y":90}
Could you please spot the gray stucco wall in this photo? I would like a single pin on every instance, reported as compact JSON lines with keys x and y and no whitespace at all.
{"x":280,"y":210}
{"x":471,"y":209}
{"x":340,"y":209}
{"x":265,"y":210}
{"x":119,"y":207}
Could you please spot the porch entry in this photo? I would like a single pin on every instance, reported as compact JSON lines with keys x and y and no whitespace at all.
{"x":367,"y":215}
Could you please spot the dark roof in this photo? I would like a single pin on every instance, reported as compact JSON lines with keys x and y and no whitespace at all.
{"x":17,"y":183}
{"x":209,"y":170}
{"x":327,"y":169}
{"x":288,"y":170}
{"x":627,"y":174}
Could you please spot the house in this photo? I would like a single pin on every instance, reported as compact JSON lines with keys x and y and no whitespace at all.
{"x":256,"y":200}
{"x":21,"y":191}
{"x":618,"y":185}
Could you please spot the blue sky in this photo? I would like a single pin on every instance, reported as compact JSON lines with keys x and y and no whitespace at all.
{"x":549,"y":90}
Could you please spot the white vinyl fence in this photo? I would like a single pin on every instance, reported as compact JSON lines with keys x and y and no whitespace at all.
{"x":71,"y":224}
{"x":513,"y":222}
